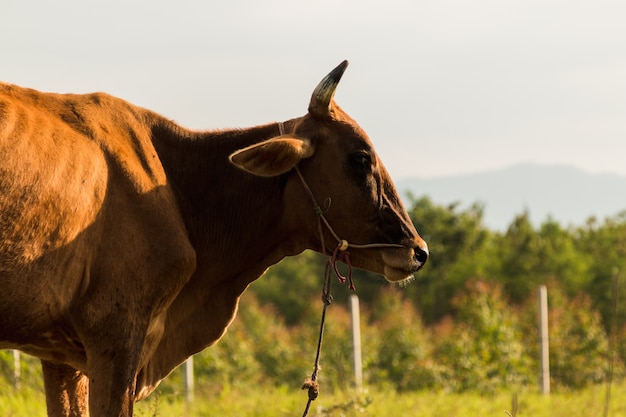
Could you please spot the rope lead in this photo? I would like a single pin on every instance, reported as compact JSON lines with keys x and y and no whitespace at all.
{"x":340,"y":253}
{"x":311,"y":384}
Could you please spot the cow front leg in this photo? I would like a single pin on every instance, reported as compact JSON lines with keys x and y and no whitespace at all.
{"x":67,"y":390}
{"x":112,"y":379}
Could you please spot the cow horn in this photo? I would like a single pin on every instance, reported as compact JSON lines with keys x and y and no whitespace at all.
{"x":325,"y":90}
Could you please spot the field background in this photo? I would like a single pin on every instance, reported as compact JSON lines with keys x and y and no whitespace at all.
{"x":259,"y":402}
{"x":461,"y":340}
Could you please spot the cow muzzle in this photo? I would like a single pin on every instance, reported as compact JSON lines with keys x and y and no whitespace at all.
{"x":420,"y":254}
{"x":399,"y":264}
{"x":400,"y":261}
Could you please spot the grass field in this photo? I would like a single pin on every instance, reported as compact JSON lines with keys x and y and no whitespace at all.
{"x":290,"y":402}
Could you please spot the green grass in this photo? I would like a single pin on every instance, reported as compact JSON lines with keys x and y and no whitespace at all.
{"x":281,"y":402}
{"x":258,"y":402}
{"x":19,"y":403}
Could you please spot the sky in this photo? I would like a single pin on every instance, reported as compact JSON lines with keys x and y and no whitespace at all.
{"x":442,"y":87}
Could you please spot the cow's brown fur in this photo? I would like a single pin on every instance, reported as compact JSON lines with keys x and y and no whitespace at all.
{"x":126,"y":240}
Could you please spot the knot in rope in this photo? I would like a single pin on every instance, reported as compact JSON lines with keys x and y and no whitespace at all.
{"x":327,"y":299}
{"x":341,"y":254}
{"x":313,"y":387}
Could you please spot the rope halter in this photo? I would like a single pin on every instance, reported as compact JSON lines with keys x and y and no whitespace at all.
{"x":340,"y":253}
{"x":341,"y":250}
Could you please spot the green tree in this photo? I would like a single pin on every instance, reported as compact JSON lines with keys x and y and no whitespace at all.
{"x":526,"y":257}
{"x":458,"y":244}
{"x":518,"y":259}
{"x":289,"y":285}
{"x":604,"y":245}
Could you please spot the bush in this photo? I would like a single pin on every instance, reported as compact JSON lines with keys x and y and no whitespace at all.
{"x":484,"y":350}
{"x":579,"y":346}
{"x":402,"y":346}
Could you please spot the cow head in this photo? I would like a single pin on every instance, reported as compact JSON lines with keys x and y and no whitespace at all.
{"x":337,"y":163}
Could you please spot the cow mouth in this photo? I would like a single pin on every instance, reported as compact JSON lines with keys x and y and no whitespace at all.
{"x":399,"y":264}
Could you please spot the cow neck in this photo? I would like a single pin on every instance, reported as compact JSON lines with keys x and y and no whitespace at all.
{"x":232,"y":215}
{"x":234,"y":245}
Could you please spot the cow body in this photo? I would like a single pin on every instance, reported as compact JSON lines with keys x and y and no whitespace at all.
{"x":126,"y":240}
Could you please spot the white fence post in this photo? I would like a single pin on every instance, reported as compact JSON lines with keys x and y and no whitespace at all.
{"x":356,"y":341}
{"x":189,"y":382}
{"x":544,"y":348}
{"x":17,"y":370}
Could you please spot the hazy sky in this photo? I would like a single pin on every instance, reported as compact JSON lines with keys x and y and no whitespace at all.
{"x":442,"y":87}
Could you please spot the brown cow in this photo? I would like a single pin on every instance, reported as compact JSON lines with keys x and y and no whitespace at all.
{"x":126,"y":240}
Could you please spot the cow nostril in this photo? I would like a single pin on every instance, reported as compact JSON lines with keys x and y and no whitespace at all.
{"x":421,"y":255}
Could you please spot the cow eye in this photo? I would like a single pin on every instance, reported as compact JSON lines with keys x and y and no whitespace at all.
{"x":361,"y":160}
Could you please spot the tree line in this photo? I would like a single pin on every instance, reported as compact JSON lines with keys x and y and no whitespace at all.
{"x":472,"y":313}
{"x":575,"y":260}
{"x":467,"y":321}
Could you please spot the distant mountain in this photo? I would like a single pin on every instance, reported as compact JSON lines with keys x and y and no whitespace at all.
{"x":568,"y":195}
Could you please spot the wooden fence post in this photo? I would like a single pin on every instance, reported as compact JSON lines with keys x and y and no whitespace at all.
{"x":189,"y":381}
{"x":17,"y":370}
{"x":544,"y":348}
{"x":356,"y":341}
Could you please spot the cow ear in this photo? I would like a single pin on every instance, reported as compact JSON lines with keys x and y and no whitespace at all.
{"x":274,"y":156}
